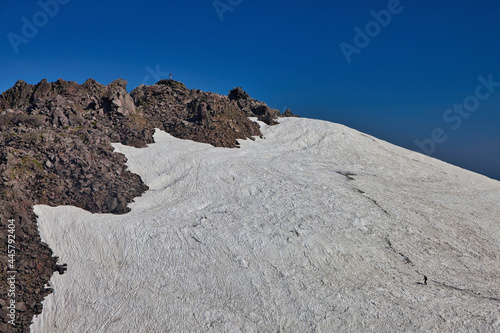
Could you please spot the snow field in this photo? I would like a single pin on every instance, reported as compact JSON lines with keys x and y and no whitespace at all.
{"x":275,"y":237}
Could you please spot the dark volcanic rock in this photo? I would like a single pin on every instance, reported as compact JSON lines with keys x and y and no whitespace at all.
{"x":254,"y":108}
{"x":55,"y":150}
{"x":193,"y":114}
{"x":288,"y":113}
{"x":237,"y":94}
{"x":118,"y":100}
{"x":203,"y":117}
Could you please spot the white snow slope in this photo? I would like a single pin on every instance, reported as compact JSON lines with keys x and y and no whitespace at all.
{"x":273,"y":238}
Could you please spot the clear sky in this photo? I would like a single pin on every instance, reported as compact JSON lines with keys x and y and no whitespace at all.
{"x":418,"y":73}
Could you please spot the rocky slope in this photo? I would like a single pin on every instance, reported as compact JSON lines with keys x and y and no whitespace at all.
{"x":55,"y":150}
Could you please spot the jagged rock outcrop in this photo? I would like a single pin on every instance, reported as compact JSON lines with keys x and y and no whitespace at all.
{"x":170,"y":106}
{"x":254,"y":108}
{"x":54,"y":153}
{"x":288,"y":113}
{"x":118,"y":100}
{"x":55,"y":150}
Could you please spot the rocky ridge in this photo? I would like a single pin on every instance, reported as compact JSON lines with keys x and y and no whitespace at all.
{"x":55,"y":150}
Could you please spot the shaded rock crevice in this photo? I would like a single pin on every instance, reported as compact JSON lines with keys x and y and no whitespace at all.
{"x":401,"y":255}
{"x":466,"y":291}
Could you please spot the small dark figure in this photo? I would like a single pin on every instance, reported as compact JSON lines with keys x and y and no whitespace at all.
{"x":170,"y":77}
{"x":425,"y":280}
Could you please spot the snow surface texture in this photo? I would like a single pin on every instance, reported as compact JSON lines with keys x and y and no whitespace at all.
{"x":273,"y":237}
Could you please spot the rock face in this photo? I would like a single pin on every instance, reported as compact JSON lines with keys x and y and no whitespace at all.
{"x":288,"y":113}
{"x":203,"y":114}
{"x":195,"y":115}
{"x":55,"y":150}
{"x":118,"y":100}
{"x":253,"y":107}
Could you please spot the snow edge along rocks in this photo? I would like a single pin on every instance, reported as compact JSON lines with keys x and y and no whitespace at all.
{"x":56,"y":150}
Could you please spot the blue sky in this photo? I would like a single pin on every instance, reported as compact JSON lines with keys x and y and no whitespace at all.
{"x":422,"y":58}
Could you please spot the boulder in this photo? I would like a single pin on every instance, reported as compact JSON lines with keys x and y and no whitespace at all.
{"x":117,"y":99}
{"x":237,"y":94}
